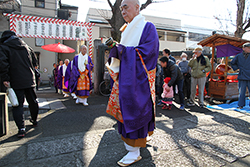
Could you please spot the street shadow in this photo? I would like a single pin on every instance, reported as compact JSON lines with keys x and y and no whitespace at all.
{"x":62,"y":137}
{"x":111,"y":149}
{"x":59,"y":135}
{"x":187,"y":134}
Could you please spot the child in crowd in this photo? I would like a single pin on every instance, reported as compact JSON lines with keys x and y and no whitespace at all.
{"x":167,"y":95}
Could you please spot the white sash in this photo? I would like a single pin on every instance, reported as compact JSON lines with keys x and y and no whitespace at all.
{"x":132,"y":34}
{"x":64,"y":67}
{"x":130,"y":37}
{"x":82,"y":61}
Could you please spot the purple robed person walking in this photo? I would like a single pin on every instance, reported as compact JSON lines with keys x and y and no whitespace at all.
{"x":133,"y":62}
{"x":80,"y":78}
{"x":59,"y":78}
{"x":67,"y":78}
{"x":55,"y":73}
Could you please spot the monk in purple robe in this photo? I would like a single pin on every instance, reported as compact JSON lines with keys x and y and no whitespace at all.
{"x":61,"y":77}
{"x":132,"y":100}
{"x":80,"y":79}
{"x":67,"y":78}
{"x":55,"y":73}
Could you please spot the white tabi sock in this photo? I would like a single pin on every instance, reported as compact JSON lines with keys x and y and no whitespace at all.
{"x":132,"y":155}
{"x":73,"y":95}
{"x":79,"y":100}
{"x":85,"y":102}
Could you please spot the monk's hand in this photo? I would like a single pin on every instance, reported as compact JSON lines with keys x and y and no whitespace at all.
{"x":113,"y":45}
{"x":90,"y":92}
{"x":6,"y":84}
{"x":110,"y":42}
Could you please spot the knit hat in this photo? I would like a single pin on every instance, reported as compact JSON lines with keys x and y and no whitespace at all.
{"x":6,"y":34}
{"x":197,"y":50}
{"x":167,"y":79}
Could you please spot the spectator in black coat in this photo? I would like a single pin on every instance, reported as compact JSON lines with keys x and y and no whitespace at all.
{"x":17,"y":62}
{"x":170,"y":69}
{"x":37,"y":75}
{"x":166,"y":52}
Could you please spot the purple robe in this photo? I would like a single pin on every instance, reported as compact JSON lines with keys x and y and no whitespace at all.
{"x":75,"y":74}
{"x":59,"y":78}
{"x":67,"y":75}
{"x":55,"y":73}
{"x":134,"y":92}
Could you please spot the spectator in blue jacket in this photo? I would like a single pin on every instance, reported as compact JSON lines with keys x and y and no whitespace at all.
{"x":186,"y":72}
{"x":241,"y":62}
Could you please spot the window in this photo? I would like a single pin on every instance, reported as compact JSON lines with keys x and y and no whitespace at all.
{"x":161,"y":35}
{"x":40,"y":3}
{"x":105,"y":32}
{"x":175,"y":37}
{"x":39,"y":41}
{"x":196,"y":36}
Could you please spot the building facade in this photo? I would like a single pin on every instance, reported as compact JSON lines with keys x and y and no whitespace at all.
{"x":47,"y":9}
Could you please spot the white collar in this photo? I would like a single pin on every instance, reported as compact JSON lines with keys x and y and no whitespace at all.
{"x":132,"y":34}
{"x":82,"y":61}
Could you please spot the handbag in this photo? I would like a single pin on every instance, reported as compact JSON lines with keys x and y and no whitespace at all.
{"x":12,"y":97}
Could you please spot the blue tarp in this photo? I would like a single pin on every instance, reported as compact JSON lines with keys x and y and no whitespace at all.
{"x":231,"y":106}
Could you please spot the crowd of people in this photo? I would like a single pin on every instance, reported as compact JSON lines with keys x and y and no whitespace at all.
{"x":73,"y":78}
{"x":138,"y":77}
{"x":185,"y":75}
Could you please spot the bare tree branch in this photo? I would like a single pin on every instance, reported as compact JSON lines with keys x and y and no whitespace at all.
{"x":110,"y":4}
{"x":248,"y":24}
{"x":143,"y":6}
{"x":239,"y":18}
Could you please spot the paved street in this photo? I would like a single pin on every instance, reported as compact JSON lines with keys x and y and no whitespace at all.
{"x":75,"y":135}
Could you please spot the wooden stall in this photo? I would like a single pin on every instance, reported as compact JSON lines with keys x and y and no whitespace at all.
{"x":222,"y":89}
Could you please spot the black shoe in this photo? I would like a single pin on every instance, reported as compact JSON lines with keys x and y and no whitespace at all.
{"x":240,"y":107}
{"x":21,"y":133}
{"x":34,"y":123}
{"x":202,"y":106}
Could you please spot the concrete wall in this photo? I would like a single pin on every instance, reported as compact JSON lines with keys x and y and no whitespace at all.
{"x":96,"y":32}
{"x":4,"y":24}
{"x":70,"y":56}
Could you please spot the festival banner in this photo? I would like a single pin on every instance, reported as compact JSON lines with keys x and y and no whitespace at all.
{"x":49,"y":28}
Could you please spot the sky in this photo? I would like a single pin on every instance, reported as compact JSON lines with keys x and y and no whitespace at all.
{"x":198,"y":13}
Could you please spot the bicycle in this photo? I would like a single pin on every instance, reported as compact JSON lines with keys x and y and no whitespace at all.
{"x":105,"y":87}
